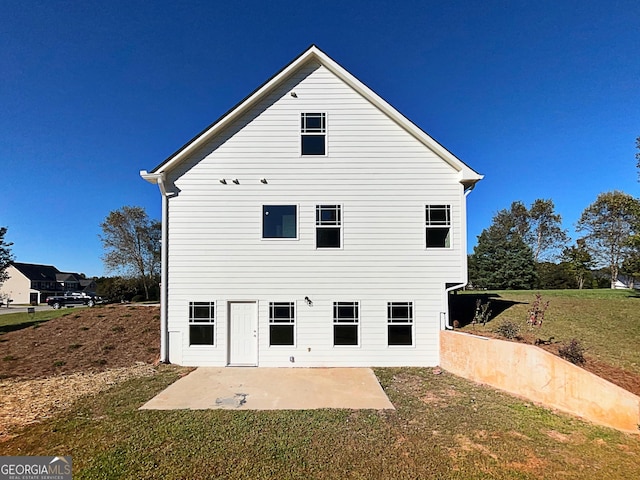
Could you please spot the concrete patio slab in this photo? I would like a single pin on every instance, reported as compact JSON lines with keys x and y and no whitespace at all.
{"x":246,"y":388}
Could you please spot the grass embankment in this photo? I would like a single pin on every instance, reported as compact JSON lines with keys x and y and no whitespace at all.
{"x":16,"y":321}
{"x":444,"y":427}
{"x":607,"y":322}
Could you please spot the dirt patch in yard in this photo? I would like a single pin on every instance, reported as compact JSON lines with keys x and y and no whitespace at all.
{"x":30,"y":401}
{"x":45,"y":368}
{"x":86,"y":340}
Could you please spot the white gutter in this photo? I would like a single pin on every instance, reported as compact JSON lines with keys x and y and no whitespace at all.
{"x":159,"y":179}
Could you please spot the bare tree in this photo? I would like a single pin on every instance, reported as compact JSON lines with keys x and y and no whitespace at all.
{"x":132,"y":243}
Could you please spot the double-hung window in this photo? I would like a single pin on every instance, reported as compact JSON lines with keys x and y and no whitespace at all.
{"x":313,"y":133}
{"x":400,"y":323}
{"x":438,"y":225}
{"x":282,"y":319}
{"x":280,"y":221}
{"x":346,"y":317}
{"x":201,"y":323}
{"x":328,"y":226}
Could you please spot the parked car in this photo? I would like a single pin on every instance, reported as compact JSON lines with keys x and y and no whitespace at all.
{"x":72,"y":298}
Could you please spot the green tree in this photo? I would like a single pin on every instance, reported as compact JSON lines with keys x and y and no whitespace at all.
{"x":579,"y":262}
{"x":117,"y":288}
{"x":610,"y":224}
{"x":501,"y":259}
{"x":554,"y":275}
{"x":5,"y":255}
{"x":132,"y":243}
{"x":539,"y":226}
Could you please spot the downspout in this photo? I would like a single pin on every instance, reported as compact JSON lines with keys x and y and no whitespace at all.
{"x":446,"y":320}
{"x":159,"y":179}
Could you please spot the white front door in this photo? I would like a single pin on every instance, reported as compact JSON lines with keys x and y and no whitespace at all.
{"x":243,"y":333}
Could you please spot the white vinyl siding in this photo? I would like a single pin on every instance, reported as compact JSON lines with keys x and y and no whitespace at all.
{"x":380,"y":175}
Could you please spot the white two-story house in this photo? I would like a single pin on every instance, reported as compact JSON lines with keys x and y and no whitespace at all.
{"x":311,"y":225}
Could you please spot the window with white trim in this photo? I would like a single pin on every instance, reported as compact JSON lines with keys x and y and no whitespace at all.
{"x":438,"y":225}
{"x":328,"y":226}
{"x":282,"y":319}
{"x":201,"y":323}
{"x":346,"y":319}
{"x":313,"y":133}
{"x":399,"y":323}
{"x":280,"y":221}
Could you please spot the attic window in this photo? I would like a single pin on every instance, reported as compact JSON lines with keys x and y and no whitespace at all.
{"x":313,"y":131}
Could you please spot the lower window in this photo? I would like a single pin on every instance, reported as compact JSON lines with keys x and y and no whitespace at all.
{"x":346,"y":317}
{"x":282,"y":317}
{"x":201,"y":323}
{"x":400,"y":323}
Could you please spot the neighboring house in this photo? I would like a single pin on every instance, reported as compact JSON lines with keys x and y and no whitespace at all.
{"x":68,"y":281}
{"x":311,"y":225}
{"x":31,"y":283}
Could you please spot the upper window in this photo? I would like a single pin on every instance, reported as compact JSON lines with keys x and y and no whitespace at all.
{"x":346,"y":317}
{"x":438,"y":224}
{"x":328,"y":225}
{"x":201,"y":323}
{"x":282,"y":318}
{"x":313,"y":131}
{"x":400,"y":323}
{"x":279,"y":221}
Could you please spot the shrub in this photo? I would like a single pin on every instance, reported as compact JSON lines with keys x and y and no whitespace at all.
{"x":537,"y":311}
{"x":508,"y":329}
{"x":483,"y":314}
{"x":573,"y":351}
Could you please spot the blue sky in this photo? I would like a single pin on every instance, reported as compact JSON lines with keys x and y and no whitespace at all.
{"x":541,"y":97}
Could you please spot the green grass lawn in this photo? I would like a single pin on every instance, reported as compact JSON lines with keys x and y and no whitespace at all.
{"x":607,"y":322}
{"x":444,"y":427}
{"x":15,"y":321}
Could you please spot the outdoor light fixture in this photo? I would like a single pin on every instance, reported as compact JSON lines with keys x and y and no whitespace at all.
{"x":294,"y":95}
{"x":236,"y":181}
{"x":263,"y":180}
{"x":223,"y":181}
{"x":309,"y":302}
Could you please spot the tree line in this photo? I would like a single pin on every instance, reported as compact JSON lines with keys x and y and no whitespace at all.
{"x":527,"y":248}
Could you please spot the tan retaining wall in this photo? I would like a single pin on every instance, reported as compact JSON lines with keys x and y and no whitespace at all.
{"x":533,"y":373}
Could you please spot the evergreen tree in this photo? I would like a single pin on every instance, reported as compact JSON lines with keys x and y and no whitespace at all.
{"x":501,"y":259}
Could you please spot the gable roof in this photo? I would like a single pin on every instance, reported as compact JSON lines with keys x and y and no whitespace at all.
{"x":37,"y":272}
{"x":467,"y":175}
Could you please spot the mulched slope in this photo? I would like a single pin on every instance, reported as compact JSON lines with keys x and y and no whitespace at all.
{"x":85,"y":340}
